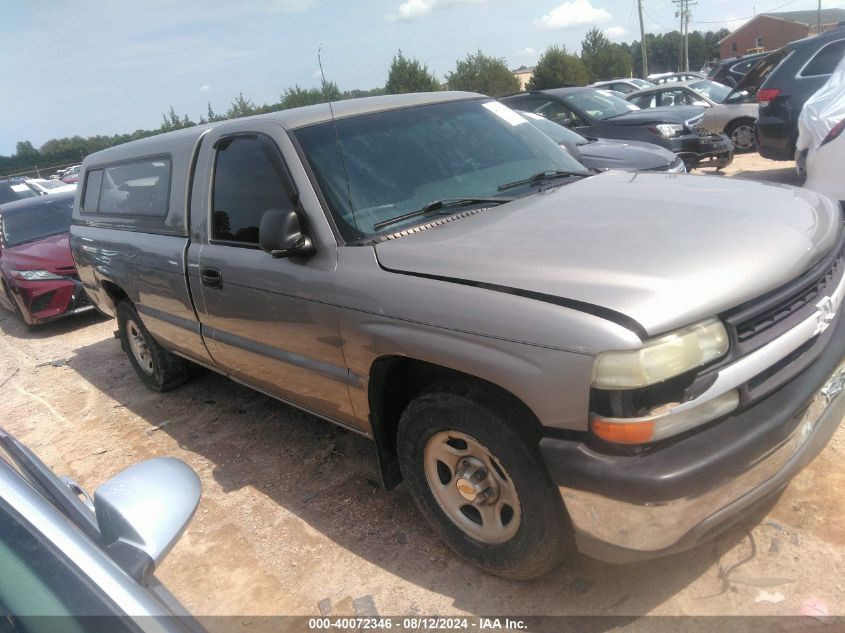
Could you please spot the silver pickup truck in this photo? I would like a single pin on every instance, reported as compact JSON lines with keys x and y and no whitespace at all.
{"x":625,"y":362}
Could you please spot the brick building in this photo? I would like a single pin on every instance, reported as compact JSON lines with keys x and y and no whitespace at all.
{"x":770,"y":31}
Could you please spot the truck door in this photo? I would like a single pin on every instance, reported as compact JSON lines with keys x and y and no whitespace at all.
{"x":268,"y":322}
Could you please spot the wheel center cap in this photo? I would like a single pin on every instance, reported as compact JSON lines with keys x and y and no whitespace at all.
{"x":466,"y":490}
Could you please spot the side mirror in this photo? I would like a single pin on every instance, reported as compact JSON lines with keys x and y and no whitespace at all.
{"x":703,"y":104}
{"x":280,"y":234}
{"x":142,"y":512}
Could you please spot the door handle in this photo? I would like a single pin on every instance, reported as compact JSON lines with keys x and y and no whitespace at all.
{"x":211,"y":277}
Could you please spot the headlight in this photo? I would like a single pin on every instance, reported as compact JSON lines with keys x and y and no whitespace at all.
{"x":35,"y":275}
{"x":668,"y":130}
{"x":678,"y":167}
{"x":662,"y":358}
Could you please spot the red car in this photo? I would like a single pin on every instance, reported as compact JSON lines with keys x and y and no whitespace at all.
{"x":36,"y":268}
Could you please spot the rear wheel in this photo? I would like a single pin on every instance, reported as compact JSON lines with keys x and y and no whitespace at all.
{"x":158,"y":369}
{"x":475,"y":472}
{"x":741,"y":132}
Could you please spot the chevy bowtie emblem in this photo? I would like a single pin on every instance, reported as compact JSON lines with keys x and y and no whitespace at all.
{"x":825,"y":313}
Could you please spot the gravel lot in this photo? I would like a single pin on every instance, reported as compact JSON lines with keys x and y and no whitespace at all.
{"x":292,"y":513}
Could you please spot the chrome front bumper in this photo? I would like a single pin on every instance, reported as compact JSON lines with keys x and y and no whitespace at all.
{"x":619,"y":531}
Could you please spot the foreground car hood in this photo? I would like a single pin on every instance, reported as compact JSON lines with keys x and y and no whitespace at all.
{"x":613,"y":154}
{"x":51,"y":253}
{"x":665,"y":250}
{"x":668,"y":114}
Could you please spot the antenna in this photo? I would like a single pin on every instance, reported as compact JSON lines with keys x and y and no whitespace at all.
{"x":337,"y":138}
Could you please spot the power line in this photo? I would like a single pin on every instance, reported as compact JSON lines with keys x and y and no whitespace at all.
{"x":662,"y":26}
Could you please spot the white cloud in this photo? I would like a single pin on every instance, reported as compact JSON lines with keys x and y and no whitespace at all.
{"x":528,"y":51}
{"x":614,"y":32}
{"x":205,"y":88}
{"x":317,"y":74}
{"x":578,"y":13}
{"x":411,"y":9}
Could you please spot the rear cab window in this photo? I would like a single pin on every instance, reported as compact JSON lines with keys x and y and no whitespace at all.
{"x":139,"y":187}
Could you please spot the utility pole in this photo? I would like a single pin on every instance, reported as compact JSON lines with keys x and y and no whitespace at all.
{"x":642,"y":39}
{"x":819,"y":19}
{"x":684,"y":14}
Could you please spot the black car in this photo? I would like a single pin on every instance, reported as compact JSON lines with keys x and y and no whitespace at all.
{"x":730,"y":71}
{"x":12,"y":189}
{"x":784,"y":81}
{"x":604,"y":153}
{"x":601,"y":114}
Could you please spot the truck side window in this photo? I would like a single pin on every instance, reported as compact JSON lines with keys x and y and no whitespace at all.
{"x":250,"y":177}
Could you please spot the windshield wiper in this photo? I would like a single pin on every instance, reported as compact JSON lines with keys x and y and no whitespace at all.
{"x":439,"y":204}
{"x":540,"y":176}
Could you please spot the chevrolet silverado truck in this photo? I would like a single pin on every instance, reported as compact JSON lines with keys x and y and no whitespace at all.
{"x":626,"y":362}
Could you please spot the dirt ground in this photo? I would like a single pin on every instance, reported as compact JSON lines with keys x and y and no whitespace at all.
{"x":293,"y":519}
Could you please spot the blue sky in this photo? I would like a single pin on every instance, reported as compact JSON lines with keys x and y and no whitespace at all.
{"x":105,"y":67}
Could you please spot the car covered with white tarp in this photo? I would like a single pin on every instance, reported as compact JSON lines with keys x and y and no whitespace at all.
{"x":820,"y":148}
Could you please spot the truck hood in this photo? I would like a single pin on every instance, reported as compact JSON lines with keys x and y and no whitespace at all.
{"x":668,"y":114}
{"x":665,"y":250}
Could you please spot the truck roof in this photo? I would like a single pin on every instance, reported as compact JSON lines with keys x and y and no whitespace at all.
{"x":289,"y":119}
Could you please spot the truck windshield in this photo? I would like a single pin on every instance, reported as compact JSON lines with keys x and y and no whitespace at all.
{"x":376,"y":167}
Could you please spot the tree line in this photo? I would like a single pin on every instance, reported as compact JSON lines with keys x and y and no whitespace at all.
{"x":598,"y":59}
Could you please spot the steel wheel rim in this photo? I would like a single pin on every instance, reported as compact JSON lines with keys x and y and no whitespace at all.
{"x":743,"y":137}
{"x":139,"y":347}
{"x":472,"y":487}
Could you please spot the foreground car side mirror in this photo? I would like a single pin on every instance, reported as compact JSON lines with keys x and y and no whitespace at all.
{"x":143,"y":510}
{"x":703,"y":104}
{"x":280,"y":234}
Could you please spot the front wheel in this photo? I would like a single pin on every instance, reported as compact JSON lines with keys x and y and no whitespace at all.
{"x":742,"y":134}
{"x":475,"y":473}
{"x":158,"y":369}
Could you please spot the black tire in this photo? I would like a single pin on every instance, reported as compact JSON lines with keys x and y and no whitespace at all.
{"x":162,"y":371}
{"x":736,"y":128}
{"x":544,"y":534}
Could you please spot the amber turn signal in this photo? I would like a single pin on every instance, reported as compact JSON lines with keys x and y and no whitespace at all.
{"x":624,"y":433}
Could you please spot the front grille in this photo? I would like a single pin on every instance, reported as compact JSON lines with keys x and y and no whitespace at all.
{"x":763,"y":320}
{"x":797,"y":303}
{"x":42,"y":301}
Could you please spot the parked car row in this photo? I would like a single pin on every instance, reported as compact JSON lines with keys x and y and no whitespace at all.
{"x":602,"y":114}
{"x":727,"y":111}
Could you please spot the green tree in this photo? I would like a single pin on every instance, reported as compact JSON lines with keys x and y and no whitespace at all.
{"x":604,"y":59}
{"x":211,"y":116}
{"x":484,"y":74}
{"x":241,"y":107}
{"x":297,"y":96}
{"x":409,"y":75}
{"x":172,"y":121}
{"x":556,"y":67}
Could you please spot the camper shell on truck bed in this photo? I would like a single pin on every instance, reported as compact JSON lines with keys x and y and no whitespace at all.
{"x":631,"y":360}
